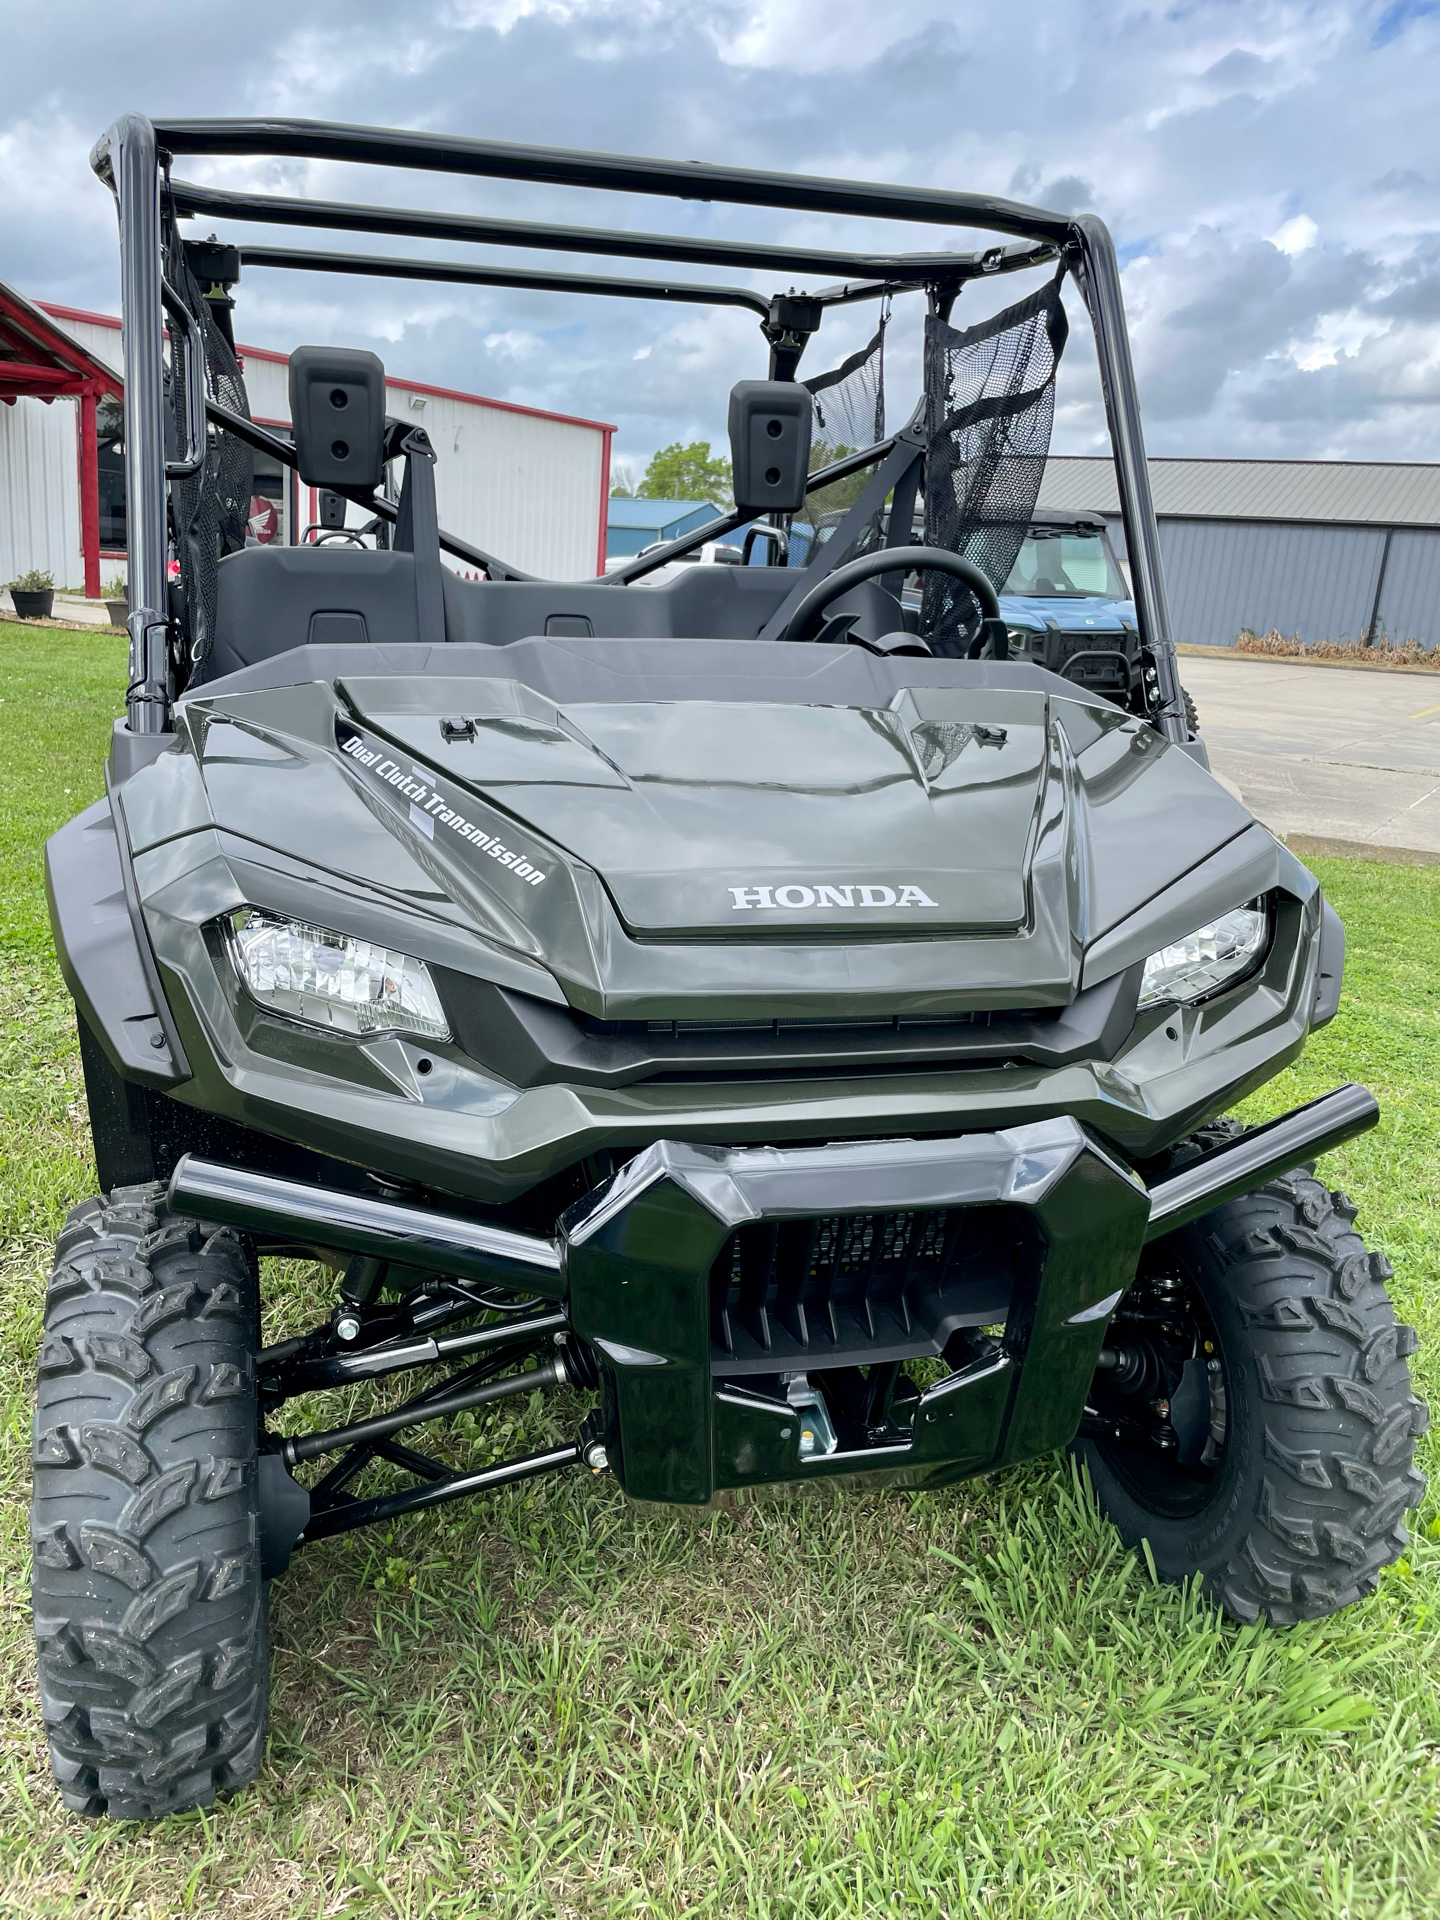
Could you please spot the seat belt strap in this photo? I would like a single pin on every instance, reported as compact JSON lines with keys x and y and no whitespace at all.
{"x":417,"y":531}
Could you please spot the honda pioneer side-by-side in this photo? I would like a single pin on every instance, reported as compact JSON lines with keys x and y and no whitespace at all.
{"x":771,"y":1005}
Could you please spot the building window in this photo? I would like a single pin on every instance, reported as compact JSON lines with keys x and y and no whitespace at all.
{"x":271,"y":517}
{"x":110,"y":460}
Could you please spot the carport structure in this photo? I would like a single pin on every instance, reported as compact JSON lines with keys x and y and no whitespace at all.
{"x":40,"y":362}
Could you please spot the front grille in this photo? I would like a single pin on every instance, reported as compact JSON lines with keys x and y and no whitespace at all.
{"x":855,"y":1289}
{"x":779,"y":1026}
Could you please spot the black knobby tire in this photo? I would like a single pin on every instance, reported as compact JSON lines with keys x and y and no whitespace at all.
{"x":1307,"y":1501}
{"x":1192,"y":717}
{"x":150,"y":1610}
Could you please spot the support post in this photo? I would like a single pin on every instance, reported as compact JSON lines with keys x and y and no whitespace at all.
{"x":604,"y":502}
{"x":1099,"y":277}
{"x":126,"y":160}
{"x":1369,"y":635}
{"x":89,"y":495}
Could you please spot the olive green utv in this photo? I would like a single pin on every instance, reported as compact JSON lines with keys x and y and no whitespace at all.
{"x":755,"y":1006}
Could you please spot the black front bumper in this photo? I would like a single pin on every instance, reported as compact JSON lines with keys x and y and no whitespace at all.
{"x":693,"y":1364}
{"x":715,"y":1285}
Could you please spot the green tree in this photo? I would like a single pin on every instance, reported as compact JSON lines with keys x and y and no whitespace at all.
{"x":840,"y":493}
{"x":686,"y":473}
{"x":622,"y":482}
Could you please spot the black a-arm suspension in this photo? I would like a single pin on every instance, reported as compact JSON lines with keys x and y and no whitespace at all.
{"x":515,"y":1351}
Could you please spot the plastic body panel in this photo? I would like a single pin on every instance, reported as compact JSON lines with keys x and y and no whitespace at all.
{"x":259,"y":803}
{"x":107,"y":971}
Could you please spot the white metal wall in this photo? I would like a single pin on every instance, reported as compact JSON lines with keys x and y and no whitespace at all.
{"x":524,"y":487}
{"x":267,"y":387}
{"x":40,"y":492}
{"x":521,"y":486}
{"x":100,"y":341}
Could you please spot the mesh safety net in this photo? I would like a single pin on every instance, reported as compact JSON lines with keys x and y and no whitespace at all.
{"x":849,"y":410}
{"x":989,"y":408}
{"x":208,"y":512}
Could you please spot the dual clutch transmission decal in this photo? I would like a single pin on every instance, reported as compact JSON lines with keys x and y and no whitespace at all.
{"x":429,"y":807}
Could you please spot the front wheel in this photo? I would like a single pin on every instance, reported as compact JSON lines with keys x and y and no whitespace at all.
{"x":1254,"y":1420}
{"x":150,"y":1609}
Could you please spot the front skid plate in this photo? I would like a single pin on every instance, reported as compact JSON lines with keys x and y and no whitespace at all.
{"x":639,"y":1253}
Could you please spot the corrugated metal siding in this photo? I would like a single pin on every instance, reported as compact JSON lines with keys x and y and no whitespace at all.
{"x":102,"y":343}
{"x":523,"y":486}
{"x":1367,"y":493}
{"x":1410,"y":598}
{"x":1318,"y":582}
{"x":39,"y":491}
{"x":267,"y":387}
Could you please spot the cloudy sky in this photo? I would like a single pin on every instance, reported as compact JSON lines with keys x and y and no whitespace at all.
{"x":1270,"y":170}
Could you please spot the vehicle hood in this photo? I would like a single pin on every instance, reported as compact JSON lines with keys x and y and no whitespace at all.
{"x":1071,"y":616}
{"x":927,"y":847}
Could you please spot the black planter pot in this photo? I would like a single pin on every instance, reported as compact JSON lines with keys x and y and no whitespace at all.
{"x":33,"y":606}
{"x":119,"y":612}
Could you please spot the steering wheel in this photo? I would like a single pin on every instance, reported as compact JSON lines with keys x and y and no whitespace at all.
{"x":890,"y":560}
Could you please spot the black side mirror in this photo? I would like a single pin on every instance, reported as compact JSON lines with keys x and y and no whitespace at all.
{"x":337,"y":413}
{"x":769,"y":445}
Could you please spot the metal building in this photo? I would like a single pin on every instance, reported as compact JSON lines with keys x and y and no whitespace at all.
{"x":1326,"y":549}
{"x":636,"y":523}
{"x":528,"y":485}
{"x":51,"y":493}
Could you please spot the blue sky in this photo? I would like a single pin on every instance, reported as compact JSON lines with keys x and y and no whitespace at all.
{"x":1271,"y":173}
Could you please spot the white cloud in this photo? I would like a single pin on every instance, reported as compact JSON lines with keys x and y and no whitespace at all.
{"x":1296,"y":236}
{"x":1197,"y":132}
{"x":514,"y":344}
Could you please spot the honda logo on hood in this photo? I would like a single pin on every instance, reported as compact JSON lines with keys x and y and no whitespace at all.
{"x":795,"y":898}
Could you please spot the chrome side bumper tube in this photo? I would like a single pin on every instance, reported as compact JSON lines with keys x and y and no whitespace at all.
{"x":354,"y":1223}
{"x":1257,"y":1156}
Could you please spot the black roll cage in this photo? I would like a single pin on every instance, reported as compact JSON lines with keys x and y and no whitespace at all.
{"x":134,"y":158}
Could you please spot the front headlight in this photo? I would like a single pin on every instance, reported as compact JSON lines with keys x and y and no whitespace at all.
{"x":333,"y":980}
{"x":1208,"y":959}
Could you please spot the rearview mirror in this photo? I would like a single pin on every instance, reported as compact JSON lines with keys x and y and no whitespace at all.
{"x":769,"y":445}
{"x":337,"y":413}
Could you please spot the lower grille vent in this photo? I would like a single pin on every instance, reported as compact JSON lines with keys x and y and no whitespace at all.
{"x":859,"y":1024}
{"x":858,"y":1289}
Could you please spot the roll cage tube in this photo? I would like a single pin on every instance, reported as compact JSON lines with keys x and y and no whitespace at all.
{"x":411,"y":224}
{"x":125,"y":159}
{"x":134,"y":154}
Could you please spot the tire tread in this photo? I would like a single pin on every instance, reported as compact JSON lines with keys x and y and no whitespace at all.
{"x":1336,"y":1418}
{"x":149,"y":1609}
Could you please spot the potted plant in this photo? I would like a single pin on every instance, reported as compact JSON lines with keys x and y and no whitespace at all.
{"x":117,"y":600}
{"x":33,"y":594}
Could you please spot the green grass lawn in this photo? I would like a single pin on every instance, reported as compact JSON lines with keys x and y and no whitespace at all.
{"x":554,"y":1703}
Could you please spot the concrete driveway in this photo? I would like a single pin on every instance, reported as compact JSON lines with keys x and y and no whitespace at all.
{"x":1348,"y":754}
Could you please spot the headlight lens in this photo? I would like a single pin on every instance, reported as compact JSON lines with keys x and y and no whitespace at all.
{"x":333,"y":980}
{"x":1208,"y":959}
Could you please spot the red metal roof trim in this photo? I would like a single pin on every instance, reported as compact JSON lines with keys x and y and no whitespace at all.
{"x":404,"y":386}
{"x":40,"y":361}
